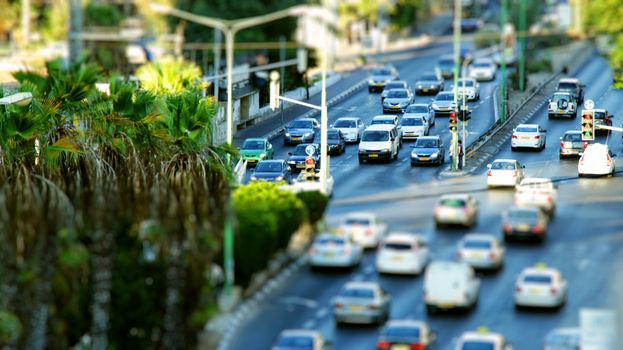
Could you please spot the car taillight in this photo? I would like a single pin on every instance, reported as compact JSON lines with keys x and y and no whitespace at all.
{"x":537,"y":229}
{"x":515,"y":173}
{"x":608,"y":160}
{"x":459,"y":254}
{"x":339,"y":305}
{"x":437,"y":210}
{"x":537,"y":137}
{"x":369,"y":232}
{"x":550,"y":199}
{"x":514,"y":136}
{"x":507,"y":228}
{"x":418,"y":346}
{"x":554,"y":290}
{"x":489,"y":173}
{"x":382,"y":345}
{"x":346,"y":251}
{"x":585,"y":145}
{"x":492,"y":256}
{"x":312,"y":251}
{"x":517,"y":288}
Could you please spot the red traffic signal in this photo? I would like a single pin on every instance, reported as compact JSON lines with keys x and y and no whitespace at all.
{"x":452,"y":122}
{"x":588,"y":125}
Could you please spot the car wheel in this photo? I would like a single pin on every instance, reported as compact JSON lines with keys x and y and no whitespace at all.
{"x":439,"y":225}
{"x":507,"y":238}
{"x":513,"y":149}
{"x":361,"y":161}
{"x":369,"y":89}
{"x":549,"y":116}
{"x":430,"y":309}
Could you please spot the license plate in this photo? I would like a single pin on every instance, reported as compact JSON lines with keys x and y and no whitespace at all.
{"x":535,"y":291}
{"x":477,"y":255}
{"x":443,"y":109}
{"x":425,"y":90}
{"x":400,"y":347}
{"x":300,"y":166}
{"x":525,"y":137}
{"x":446,"y":306}
{"x":397,"y":258}
{"x":373,"y":155}
{"x":395,"y":107}
{"x":424,"y":159}
{"x":329,"y":255}
{"x":523,"y":227}
{"x":356,"y":308}
{"x":251,"y":160}
{"x":296,"y":138}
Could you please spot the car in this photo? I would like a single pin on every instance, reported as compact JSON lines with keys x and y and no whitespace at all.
{"x":362,"y":302}
{"x":481,"y":251}
{"x":255,"y":149}
{"x":331,"y":250}
{"x":537,"y":191}
{"x":389,"y":120}
{"x":528,"y":136}
{"x":272,"y":171}
{"x":444,"y":104}
{"x":397,"y":100}
{"x":471,"y":24}
{"x":574,"y":86}
{"x":468,"y":87}
{"x":336,"y":144}
{"x":379,"y":142}
{"x":596,"y":160}
{"x":567,"y":338}
{"x":456,"y":209}
{"x":429,"y":83}
{"x":445,"y":66}
{"x":525,"y":222}
{"x":508,"y":57}
{"x":299,"y":339}
{"x":571,"y":144}
{"x":396,"y":84}
{"x":300,"y":131}
{"x":381,"y":76}
{"x":540,"y":286}
{"x":602,"y":118}
{"x":365,"y":228}
{"x":482,"y":339}
{"x":450,"y":285}
{"x":428,"y":150}
{"x":402,"y":253}
{"x":562,"y":104}
{"x":421,"y":110}
{"x":406,"y":334}
{"x":306,"y":183}
{"x":413,"y":127}
{"x":505,"y":172}
{"x":296,"y":159}
{"x":483,"y":69}
{"x":351,"y":128}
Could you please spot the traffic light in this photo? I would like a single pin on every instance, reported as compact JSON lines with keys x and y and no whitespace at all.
{"x":452,"y":122}
{"x":465,"y":114}
{"x":310,"y":168}
{"x":588,"y":125}
{"x":274,"y":90}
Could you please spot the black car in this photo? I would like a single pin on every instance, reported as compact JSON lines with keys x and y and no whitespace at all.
{"x":300,"y":131}
{"x":335,"y":142}
{"x":445,"y":66}
{"x":296,"y":161}
{"x":428,"y":150}
{"x":406,"y":334}
{"x":429,"y":83}
{"x":272,"y":171}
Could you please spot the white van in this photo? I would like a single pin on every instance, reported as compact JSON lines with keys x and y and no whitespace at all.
{"x":450,"y":285}
{"x":379,"y":142}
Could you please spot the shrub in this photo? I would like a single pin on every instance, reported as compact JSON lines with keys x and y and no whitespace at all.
{"x":103,"y":15}
{"x":542,"y":65}
{"x":316,"y":204}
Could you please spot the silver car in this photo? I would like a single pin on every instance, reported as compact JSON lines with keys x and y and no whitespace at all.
{"x":362,"y":302}
{"x":351,"y":128}
{"x":469,"y":87}
{"x":421,"y":110}
{"x":396,"y":84}
{"x":444,"y":103}
{"x":397,"y":100}
{"x":335,"y":250}
{"x":413,"y":127}
{"x":562,"y":104}
{"x":571,"y":144}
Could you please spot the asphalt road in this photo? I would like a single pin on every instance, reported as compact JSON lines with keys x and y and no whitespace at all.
{"x":584,"y":240}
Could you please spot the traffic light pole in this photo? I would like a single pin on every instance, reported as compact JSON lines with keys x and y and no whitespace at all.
{"x":522,"y":43}
{"x":457,"y":53}
{"x":503,"y":10}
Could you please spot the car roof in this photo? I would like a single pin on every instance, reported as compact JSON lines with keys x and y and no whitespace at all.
{"x":528,"y":125}
{"x":482,"y":336}
{"x":380,"y":127}
{"x":536,"y":180}
{"x":384,"y":116}
{"x":399,"y":89}
{"x":562,"y":93}
{"x":360,"y":214}
{"x":306,"y":119}
{"x":480,"y":236}
{"x":256,"y":139}
{"x":419,"y":104}
{"x":347,"y":118}
{"x":405,"y":323}
{"x":402,"y":237}
{"x":505,"y":160}
{"x":573,"y":132}
{"x":299,"y":332}
{"x":539,"y":270}
{"x":454,"y":196}
{"x":433,"y":137}
{"x":361,"y":284}
{"x":569,"y":80}
{"x":445,"y":93}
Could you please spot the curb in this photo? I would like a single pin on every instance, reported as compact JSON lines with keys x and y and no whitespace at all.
{"x":313,"y":113}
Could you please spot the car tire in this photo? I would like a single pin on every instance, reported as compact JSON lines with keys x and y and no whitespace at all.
{"x":361,"y":161}
{"x":507,"y":238}
{"x":439,"y":225}
{"x":513,"y":149}
{"x":430,"y":309}
{"x":369,"y":89}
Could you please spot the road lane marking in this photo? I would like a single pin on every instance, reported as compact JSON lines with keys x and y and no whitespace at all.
{"x":309,"y":324}
{"x":322,"y":312}
{"x":293,"y":300}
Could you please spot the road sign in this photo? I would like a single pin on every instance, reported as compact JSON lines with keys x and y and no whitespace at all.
{"x":589,"y":104}
{"x":310,"y":150}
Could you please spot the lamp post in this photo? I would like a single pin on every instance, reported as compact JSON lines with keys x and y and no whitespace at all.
{"x":229,"y":29}
{"x":457,"y":53}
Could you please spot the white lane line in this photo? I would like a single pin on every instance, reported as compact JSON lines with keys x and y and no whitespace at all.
{"x":309,"y":324}
{"x":481,"y":102}
{"x":322,"y":312}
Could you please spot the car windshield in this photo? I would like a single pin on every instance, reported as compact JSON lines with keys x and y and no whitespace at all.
{"x":301,"y":124}
{"x":522,"y":214}
{"x":560,"y":97}
{"x":539,"y":279}
{"x":253,"y":144}
{"x":412,"y":122}
{"x":344,"y":123}
{"x":300,"y":150}
{"x":452,"y":202}
{"x":481,"y":65}
{"x":268,"y":167}
{"x":567,"y":86}
{"x":417,"y":109}
{"x":397,"y":246}
{"x":374,"y":136}
{"x":425,"y":143}
{"x":477,"y":345}
{"x":445,"y":97}
{"x":357,"y":221}
{"x":429,"y":77}
{"x":503,"y":166}
{"x":394,"y":85}
{"x":526,"y":129}
{"x":477,"y":243}
{"x":382,"y":71}
{"x":446,"y":63}
{"x":296,"y":342}
{"x":400,"y":332}
{"x":572,"y":137}
{"x":330,"y":240}
{"x":468,"y":83}
{"x":600,"y":115}
{"x":382,"y":121}
{"x":397,"y":94}
{"x":333,"y":136}
{"x":563,"y":339}
{"x":357,"y":293}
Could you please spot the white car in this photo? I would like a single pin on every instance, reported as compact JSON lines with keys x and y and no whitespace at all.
{"x":505,"y":172}
{"x":402,"y":253}
{"x":293,"y":338}
{"x":421,"y":110}
{"x":413,"y":127}
{"x":468,"y":87}
{"x":450,"y":285}
{"x":456,"y":209}
{"x":483,"y":69}
{"x":536,"y":191}
{"x":528,"y":136}
{"x":597,"y":159}
{"x":334,"y":250}
{"x":481,"y":251}
{"x":386,"y":119}
{"x":540,"y":286}
{"x":482,"y":339}
{"x":351,"y":128}
{"x":365,"y":228}
{"x":305,"y":183}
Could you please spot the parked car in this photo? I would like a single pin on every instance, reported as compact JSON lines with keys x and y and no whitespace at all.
{"x":351,"y":128}
{"x":272,"y":171}
{"x":300,"y":131}
{"x":421,"y":110}
{"x":450,"y":285}
{"x":528,"y":136}
{"x":362,"y":302}
{"x":336,"y":144}
{"x":296,"y":159}
{"x":562,"y":104}
{"x":255,"y":149}
{"x":429,"y":83}
{"x":571,"y":144}
{"x":596,"y":160}
{"x":381,"y":76}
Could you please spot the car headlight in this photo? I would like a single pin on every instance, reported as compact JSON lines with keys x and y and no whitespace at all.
{"x":308,"y":134}
{"x":262,"y":155}
{"x":435,"y":106}
{"x":414,"y":155}
{"x":434,"y":155}
{"x":385,"y":150}
{"x":385,"y":103}
{"x":279,"y":178}
{"x":370,"y":81}
{"x":287,"y":134}
{"x":432,"y":86}
{"x":253,"y":178}
{"x":419,"y":86}
{"x":291,"y":162}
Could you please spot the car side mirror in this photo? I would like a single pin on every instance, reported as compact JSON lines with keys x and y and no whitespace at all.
{"x":393,"y":139}
{"x":614,"y":154}
{"x":544,"y":130}
{"x":270,"y":146}
{"x":289,"y":153}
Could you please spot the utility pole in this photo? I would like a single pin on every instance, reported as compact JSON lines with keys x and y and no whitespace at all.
{"x":217,"y":59}
{"x":457,"y":58}
{"x":75,"y":29}
{"x":522,"y":44}
{"x":282,"y":57}
{"x":503,"y":11}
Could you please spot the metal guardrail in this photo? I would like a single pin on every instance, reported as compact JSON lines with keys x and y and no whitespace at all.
{"x":240,"y":170}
